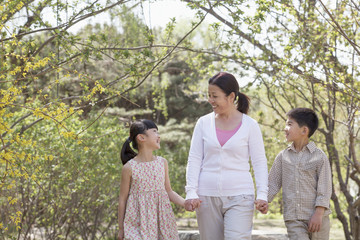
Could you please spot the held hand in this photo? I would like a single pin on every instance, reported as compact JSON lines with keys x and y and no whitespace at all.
{"x":316,"y":220}
{"x":196,"y":203}
{"x":262,"y":206}
{"x":191,"y":204}
{"x":188,"y":205}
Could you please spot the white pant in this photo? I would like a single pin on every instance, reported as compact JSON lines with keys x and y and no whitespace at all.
{"x":226,"y":218}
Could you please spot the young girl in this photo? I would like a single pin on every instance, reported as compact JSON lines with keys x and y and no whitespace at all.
{"x":144,"y":207}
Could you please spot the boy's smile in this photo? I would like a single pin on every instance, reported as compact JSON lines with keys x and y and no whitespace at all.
{"x":293,"y":132}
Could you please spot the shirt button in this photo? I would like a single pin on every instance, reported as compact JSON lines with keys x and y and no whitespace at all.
{"x":298,"y":205}
{"x":297,"y":191}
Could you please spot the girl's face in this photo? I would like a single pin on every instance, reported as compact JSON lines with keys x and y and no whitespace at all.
{"x":219,"y":101}
{"x":151,"y":138}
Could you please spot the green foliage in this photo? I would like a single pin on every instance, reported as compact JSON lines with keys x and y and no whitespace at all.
{"x":302,"y":55}
{"x":59,"y":152}
{"x":66,"y":99}
{"x":65,"y":104}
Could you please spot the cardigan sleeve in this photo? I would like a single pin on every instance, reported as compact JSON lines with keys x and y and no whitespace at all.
{"x":195,"y":158}
{"x":258,"y":161}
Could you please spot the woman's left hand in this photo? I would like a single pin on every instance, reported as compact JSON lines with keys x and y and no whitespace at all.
{"x":262,"y":206}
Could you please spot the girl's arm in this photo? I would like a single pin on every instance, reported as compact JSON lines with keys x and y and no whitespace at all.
{"x":173,"y":196}
{"x":124,"y":193}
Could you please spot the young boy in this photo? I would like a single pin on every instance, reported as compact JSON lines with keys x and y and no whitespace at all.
{"x":303,"y":171}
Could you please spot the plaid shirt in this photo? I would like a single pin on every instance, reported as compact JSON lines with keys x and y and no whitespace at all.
{"x":306,"y":180}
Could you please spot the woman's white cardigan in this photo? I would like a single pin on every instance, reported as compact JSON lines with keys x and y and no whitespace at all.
{"x":215,"y":170}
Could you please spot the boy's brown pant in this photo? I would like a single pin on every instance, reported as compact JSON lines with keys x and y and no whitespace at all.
{"x":298,"y":230}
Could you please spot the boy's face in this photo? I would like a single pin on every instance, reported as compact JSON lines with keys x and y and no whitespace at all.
{"x":293,"y":131}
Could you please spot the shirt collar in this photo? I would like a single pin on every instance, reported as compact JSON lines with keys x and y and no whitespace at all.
{"x":310,"y":146}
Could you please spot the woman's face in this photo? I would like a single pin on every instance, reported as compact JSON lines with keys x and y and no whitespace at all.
{"x":219,"y":101}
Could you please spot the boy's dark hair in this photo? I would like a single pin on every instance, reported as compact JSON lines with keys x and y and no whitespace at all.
{"x":305,"y":117}
{"x":136,"y":128}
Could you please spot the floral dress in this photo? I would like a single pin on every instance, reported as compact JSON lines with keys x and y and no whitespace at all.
{"x":149,"y":215}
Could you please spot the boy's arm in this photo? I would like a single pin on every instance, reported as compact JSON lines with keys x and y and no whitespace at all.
{"x":324,"y":184}
{"x":275,"y":177}
{"x":324,"y":189}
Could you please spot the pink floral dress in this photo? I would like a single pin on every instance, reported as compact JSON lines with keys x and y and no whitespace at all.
{"x":149,"y":215}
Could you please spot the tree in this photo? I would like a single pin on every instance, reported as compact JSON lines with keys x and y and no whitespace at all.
{"x":305,"y":53}
{"x":55,"y":90}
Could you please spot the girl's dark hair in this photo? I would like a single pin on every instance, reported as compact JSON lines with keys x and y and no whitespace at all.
{"x":228,"y":83}
{"x":136,"y":128}
{"x":305,"y":117}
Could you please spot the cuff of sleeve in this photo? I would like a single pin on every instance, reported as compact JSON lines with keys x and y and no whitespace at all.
{"x":191,"y":194}
{"x":262,"y":196}
{"x":322,"y":202}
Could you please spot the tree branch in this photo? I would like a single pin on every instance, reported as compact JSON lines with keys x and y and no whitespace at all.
{"x":339,"y":28}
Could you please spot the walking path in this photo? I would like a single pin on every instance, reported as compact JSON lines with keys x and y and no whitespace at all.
{"x":273,"y":230}
{"x":264,"y":229}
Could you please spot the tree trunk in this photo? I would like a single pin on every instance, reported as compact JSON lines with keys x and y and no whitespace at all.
{"x":334,"y":160}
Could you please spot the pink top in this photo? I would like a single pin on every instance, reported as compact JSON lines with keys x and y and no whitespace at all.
{"x":224,"y":135}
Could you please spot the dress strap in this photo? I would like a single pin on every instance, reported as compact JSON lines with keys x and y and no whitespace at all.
{"x":158,"y":158}
{"x":132,"y":162}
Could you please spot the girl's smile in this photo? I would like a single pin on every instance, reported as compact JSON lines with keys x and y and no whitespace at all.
{"x":153,"y":138}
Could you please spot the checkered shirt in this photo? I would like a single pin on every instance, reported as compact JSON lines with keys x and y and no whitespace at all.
{"x":305,"y":177}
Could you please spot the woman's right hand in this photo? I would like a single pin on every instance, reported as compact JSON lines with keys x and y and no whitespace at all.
{"x":192,"y":204}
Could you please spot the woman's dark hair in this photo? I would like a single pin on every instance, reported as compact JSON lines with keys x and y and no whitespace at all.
{"x":305,"y":117}
{"x":136,"y":128}
{"x":228,"y":83}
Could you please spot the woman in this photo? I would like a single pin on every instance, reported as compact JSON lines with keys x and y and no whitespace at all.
{"x":218,"y":170}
